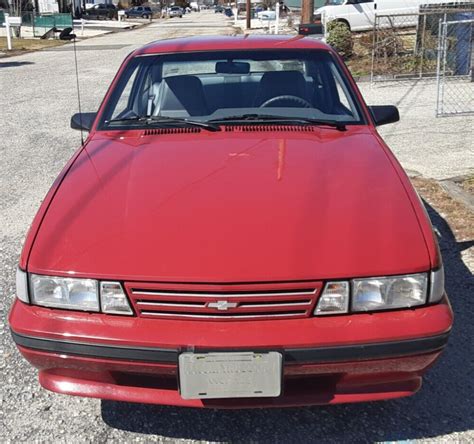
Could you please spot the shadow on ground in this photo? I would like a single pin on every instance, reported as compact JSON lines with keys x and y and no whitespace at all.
{"x":444,"y":405}
{"x":14,"y":64}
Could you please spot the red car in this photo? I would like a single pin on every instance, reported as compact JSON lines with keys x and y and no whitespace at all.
{"x":233,"y":233}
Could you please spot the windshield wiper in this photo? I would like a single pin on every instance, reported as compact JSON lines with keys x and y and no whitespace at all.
{"x":150,"y":120}
{"x":269,"y":118}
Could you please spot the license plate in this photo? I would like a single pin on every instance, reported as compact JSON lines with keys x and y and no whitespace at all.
{"x":230,"y":375}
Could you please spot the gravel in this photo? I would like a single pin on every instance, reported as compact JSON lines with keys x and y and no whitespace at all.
{"x":438,"y":148}
{"x":38,"y":97}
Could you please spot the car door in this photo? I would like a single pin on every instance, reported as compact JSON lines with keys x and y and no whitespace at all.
{"x":96,"y":10}
{"x":398,"y":9}
{"x":101,"y":10}
{"x":360,"y":14}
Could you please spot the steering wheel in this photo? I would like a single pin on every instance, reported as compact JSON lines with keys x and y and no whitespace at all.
{"x":293,"y":99}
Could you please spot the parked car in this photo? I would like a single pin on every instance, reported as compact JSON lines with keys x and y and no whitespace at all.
{"x":271,"y":14}
{"x":233,"y":233}
{"x":266,"y":15}
{"x":219,"y":8}
{"x":139,"y":11}
{"x":175,"y":11}
{"x":101,"y":11}
{"x":359,"y":15}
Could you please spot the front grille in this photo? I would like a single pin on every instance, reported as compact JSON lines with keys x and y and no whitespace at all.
{"x":224,"y":302}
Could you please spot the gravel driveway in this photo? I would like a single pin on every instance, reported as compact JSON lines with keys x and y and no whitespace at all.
{"x":37,"y":98}
{"x":438,"y":148}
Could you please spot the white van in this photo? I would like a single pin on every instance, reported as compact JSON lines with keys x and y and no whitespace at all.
{"x":359,"y":15}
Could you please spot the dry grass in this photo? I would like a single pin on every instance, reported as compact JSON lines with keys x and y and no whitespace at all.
{"x":458,"y":216}
{"x":24,"y":45}
{"x":395,"y":53}
{"x":467,"y":185}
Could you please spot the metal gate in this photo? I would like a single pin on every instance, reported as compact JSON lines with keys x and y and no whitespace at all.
{"x":455,"y":70}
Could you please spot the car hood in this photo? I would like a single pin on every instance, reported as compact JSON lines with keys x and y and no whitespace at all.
{"x":231,"y":207}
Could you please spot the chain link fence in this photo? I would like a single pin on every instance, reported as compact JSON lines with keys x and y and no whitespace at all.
{"x":42,"y":23}
{"x":455,"y":73}
{"x":406,"y":46}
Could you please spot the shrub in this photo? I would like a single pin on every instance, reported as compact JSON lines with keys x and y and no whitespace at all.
{"x":339,"y":37}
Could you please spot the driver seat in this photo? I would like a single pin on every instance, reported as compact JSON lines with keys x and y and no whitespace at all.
{"x":280,"y":83}
{"x":182,"y":96}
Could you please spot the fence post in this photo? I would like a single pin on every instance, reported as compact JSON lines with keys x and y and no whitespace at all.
{"x":422,"y":51}
{"x":9,"y":34}
{"x":443,"y":61}
{"x":438,"y":69}
{"x":374,"y":45}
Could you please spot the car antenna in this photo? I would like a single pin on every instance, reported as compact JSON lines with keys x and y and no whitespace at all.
{"x":77,"y":86}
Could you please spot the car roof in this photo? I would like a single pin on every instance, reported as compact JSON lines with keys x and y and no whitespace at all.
{"x":243,"y":42}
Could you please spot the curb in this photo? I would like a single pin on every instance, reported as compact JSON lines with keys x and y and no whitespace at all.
{"x":457,"y":193}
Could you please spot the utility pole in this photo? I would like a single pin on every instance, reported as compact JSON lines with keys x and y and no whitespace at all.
{"x":307,"y":11}
{"x":248,"y":11}
{"x":277,"y":17}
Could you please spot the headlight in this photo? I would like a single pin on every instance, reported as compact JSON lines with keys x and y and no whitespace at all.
{"x":389,"y":292}
{"x":71,"y":293}
{"x":74,"y":293}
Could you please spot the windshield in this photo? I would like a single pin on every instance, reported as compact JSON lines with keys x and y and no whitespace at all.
{"x":222,"y":85}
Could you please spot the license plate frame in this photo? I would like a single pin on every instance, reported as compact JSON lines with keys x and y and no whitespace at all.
{"x":218,"y":375}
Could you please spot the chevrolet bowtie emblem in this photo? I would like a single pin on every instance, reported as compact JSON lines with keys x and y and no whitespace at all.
{"x":222,"y":305}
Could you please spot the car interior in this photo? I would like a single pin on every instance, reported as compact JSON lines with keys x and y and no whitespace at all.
{"x":232,"y":85}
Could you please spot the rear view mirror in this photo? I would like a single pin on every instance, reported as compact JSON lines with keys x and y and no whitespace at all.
{"x":384,"y":114}
{"x":83,"y":121}
{"x":230,"y":67}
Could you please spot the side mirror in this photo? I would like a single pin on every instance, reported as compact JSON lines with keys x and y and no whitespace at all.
{"x":310,"y":29}
{"x":384,"y":114}
{"x":83,"y":121}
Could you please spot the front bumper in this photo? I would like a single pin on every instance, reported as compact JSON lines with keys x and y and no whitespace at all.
{"x":327,"y":360}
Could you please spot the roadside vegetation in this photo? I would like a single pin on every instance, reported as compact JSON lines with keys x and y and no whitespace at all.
{"x":24,"y":45}
{"x":395,"y":52}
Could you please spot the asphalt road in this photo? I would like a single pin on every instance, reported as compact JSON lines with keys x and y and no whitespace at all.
{"x":37,"y":97}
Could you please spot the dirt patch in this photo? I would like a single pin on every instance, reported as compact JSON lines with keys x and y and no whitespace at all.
{"x":458,"y":216}
{"x":21,"y":46}
{"x":467,"y":185}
